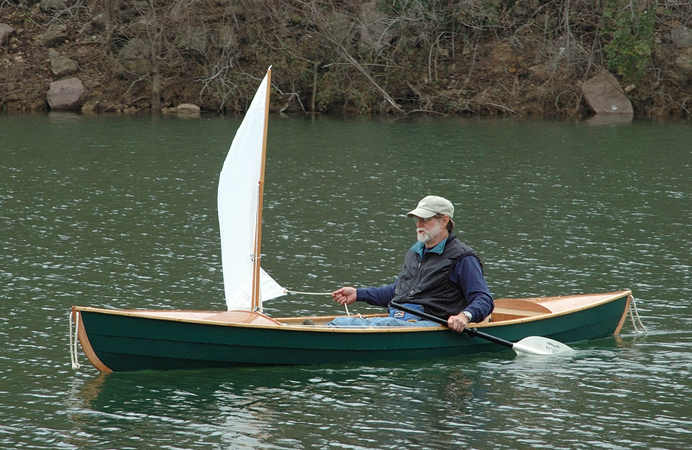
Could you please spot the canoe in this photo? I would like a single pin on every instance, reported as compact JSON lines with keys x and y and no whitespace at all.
{"x":129,"y":340}
{"x":139,"y":339}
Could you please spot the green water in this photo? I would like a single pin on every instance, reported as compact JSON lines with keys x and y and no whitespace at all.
{"x":121,"y":212}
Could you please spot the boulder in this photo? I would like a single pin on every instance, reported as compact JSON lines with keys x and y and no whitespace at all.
{"x":5,"y":33}
{"x":53,"y":5}
{"x":65,"y":95}
{"x":61,"y":66}
{"x":183,"y":110}
{"x":684,"y":63}
{"x":134,"y":57}
{"x":605,"y":96}
{"x":55,"y":35}
{"x":97,"y":24}
{"x":188,"y":109}
{"x":681,"y":37}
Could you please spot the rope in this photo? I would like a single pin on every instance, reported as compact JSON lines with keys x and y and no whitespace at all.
{"x":634,"y":314}
{"x":290,"y":292}
{"x":73,"y":340}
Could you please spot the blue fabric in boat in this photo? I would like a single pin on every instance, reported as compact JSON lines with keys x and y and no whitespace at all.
{"x":397,"y":318}
{"x":361,"y":322}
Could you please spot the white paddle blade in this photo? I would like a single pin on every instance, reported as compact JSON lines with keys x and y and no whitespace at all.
{"x":537,"y":345}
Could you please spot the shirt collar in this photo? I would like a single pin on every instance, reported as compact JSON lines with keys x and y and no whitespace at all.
{"x":419,"y":248}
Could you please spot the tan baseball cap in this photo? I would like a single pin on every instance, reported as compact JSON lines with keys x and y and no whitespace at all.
{"x":432,"y":205}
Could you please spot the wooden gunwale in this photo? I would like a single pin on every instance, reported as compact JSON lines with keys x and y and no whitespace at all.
{"x":144,"y":314}
{"x":286,"y":325}
{"x":607,"y":298}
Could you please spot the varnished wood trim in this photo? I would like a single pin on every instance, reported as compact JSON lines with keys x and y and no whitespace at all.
{"x":628,"y":305}
{"x":201,"y":317}
{"x":86,"y":345}
{"x":249,"y":317}
{"x":601,"y":300}
{"x":520,"y":307}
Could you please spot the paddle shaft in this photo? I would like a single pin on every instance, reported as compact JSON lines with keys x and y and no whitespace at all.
{"x":470,"y":331}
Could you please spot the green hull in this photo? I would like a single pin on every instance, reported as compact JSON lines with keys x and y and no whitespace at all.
{"x":123,"y":342}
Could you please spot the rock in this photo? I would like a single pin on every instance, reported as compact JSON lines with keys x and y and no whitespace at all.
{"x":53,"y":5}
{"x":684,"y":62}
{"x":65,"y":95}
{"x":681,"y":37}
{"x":54,"y":35}
{"x":604,"y":95}
{"x":187,"y":110}
{"x":134,"y":56}
{"x":5,"y":33}
{"x":61,"y":66}
{"x":97,"y":24}
{"x":111,"y":108}
{"x":92,"y":107}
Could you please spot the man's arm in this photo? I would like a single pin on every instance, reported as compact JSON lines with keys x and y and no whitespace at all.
{"x":469,"y":276}
{"x":379,"y":296}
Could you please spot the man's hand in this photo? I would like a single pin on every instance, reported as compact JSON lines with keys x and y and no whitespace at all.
{"x":345,"y":296}
{"x":458,"y":322}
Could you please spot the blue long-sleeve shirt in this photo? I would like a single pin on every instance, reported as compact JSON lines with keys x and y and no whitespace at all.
{"x":467,"y":274}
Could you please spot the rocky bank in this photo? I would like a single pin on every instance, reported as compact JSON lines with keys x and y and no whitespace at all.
{"x":523,"y":58}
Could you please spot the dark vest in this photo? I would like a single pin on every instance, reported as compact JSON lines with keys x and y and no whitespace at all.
{"x":426,"y":281}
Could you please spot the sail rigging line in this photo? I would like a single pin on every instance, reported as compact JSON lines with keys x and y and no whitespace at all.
{"x":634,"y":314}
{"x":290,"y":292}
{"x":256,"y":299}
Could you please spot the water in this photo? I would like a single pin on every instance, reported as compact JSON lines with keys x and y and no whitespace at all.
{"x":121,"y":212}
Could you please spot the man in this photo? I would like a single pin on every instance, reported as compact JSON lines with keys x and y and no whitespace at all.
{"x":440,"y":275}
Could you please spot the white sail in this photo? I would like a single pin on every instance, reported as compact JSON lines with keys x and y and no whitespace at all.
{"x":238,"y":202}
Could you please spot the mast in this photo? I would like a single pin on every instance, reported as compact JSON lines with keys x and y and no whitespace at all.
{"x":256,"y":299}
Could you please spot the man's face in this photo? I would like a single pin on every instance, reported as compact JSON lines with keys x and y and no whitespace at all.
{"x":428,"y":229}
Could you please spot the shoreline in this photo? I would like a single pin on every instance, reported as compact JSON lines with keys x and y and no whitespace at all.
{"x":206,"y":62}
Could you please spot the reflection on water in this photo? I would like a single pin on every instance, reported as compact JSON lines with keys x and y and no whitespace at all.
{"x":120,"y":212}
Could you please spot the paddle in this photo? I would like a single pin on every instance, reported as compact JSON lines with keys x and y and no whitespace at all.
{"x":535,"y":345}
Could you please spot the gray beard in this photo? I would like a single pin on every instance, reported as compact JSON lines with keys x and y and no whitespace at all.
{"x":427,"y":236}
